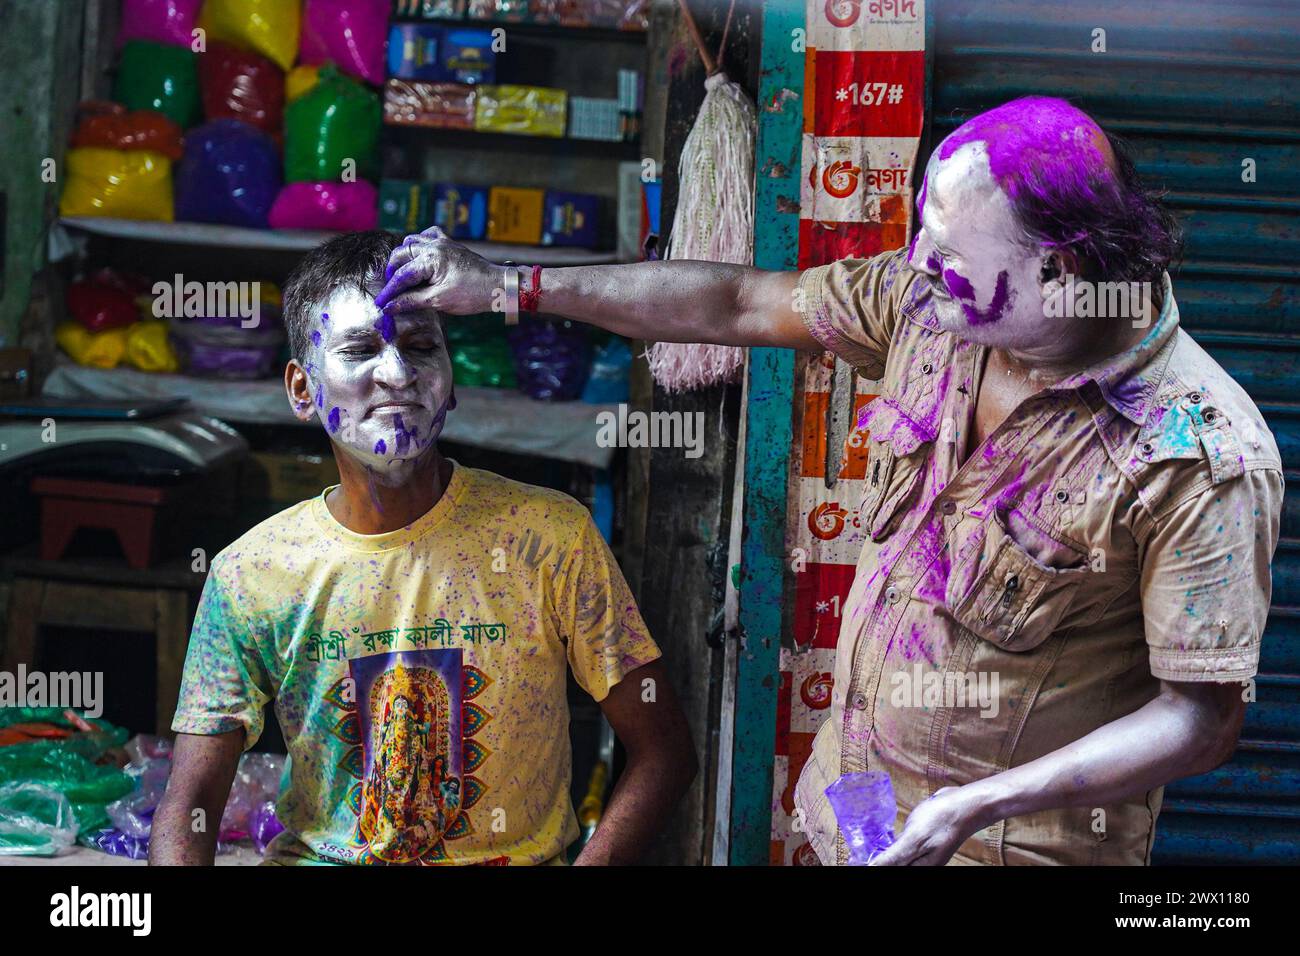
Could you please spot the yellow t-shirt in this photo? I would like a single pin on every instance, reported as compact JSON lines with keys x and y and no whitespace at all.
{"x":418,"y":676}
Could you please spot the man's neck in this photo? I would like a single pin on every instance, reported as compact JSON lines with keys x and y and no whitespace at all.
{"x":1084,"y":348}
{"x":365,"y":503}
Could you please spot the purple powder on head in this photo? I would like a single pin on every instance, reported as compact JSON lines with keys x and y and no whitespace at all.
{"x":381,"y":447}
{"x":334,"y":419}
{"x":1032,"y":140}
{"x":387,"y":327}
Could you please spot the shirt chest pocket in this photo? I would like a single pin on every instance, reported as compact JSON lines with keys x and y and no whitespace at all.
{"x":898,"y":449}
{"x":1006,"y":595}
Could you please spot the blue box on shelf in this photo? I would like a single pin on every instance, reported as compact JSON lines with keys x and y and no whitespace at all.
{"x":570,"y":219}
{"x":461,"y":211}
{"x":414,"y":51}
{"x":467,"y":56}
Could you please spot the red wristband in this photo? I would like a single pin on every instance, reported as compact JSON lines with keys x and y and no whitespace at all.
{"x":531,"y":300}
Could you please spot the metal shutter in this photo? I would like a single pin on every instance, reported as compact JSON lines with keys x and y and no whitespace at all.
{"x":1196,"y":88}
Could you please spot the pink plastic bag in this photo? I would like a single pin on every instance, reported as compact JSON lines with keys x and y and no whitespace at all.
{"x":161,"y":21}
{"x":351,"y":33}
{"x":337,"y":207}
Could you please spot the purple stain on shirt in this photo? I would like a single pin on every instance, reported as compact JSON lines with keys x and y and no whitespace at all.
{"x":334,"y":419}
{"x":387,"y":327}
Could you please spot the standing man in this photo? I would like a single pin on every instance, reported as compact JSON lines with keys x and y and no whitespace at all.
{"x":1069,"y":503}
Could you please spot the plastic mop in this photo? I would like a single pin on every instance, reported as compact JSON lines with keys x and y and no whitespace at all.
{"x":715,"y":210}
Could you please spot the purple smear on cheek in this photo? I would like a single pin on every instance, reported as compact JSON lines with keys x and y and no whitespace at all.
{"x":380,"y":447}
{"x":932,"y":262}
{"x":334,"y":419}
{"x":387,"y":328}
{"x":959,"y":286}
{"x":315,"y":337}
{"x":320,"y":397}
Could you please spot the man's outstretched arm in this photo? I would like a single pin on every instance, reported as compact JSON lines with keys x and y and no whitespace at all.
{"x":677,"y":301}
{"x":661,"y":764}
{"x":203,"y":767}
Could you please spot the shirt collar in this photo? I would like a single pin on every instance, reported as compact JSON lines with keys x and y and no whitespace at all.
{"x":1128,"y":381}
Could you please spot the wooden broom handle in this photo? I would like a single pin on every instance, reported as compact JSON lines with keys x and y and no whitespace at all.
{"x":710,"y":64}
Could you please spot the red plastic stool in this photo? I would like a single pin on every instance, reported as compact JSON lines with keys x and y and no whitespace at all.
{"x":130,"y":511}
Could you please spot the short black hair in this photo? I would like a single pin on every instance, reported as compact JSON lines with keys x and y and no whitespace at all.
{"x":357,"y":259}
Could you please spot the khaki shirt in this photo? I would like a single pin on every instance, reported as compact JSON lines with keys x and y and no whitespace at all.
{"x":1115,"y":531}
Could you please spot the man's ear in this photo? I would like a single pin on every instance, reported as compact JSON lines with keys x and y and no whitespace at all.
{"x":1057,"y":265}
{"x":298,"y":388}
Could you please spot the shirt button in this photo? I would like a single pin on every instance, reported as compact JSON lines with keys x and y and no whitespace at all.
{"x":1062,"y":496}
{"x":927,"y":368}
{"x":892,"y":594}
{"x":1194,"y":398}
{"x":1209,"y":416}
{"x":948,"y":507}
{"x":859,"y":701}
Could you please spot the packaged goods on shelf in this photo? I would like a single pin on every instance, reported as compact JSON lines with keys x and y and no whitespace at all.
{"x":348,"y":33}
{"x":230,"y":175}
{"x":331,"y":130}
{"x":242,"y":85}
{"x":430,"y":9}
{"x":461,"y":211}
{"x":436,"y":105}
{"x":467,"y":56}
{"x":122,"y":184}
{"x":591,"y":118}
{"x":331,"y":206}
{"x":403,"y":205}
{"x":160,"y":21}
{"x":413,"y":50}
{"x":270,"y":27}
{"x":515,"y":215}
{"x":109,"y":126}
{"x":570,"y":219}
{"x":511,"y":11}
{"x":527,"y":110}
{"x":155,"y":76}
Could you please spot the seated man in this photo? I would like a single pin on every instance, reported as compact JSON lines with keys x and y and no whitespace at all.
{"x":413,"y":625}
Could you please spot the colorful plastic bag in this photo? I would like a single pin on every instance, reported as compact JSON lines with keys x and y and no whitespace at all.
{"x":110,"y":126}
{"x":551,"y":358}
{"x":35,"y":820}
{"x":97,"y":349}
{"x":149,"y":349}
{"x":98,"y":305}
{"x":230,"y":175}
{"x":300,"y":80}
{"x":350,"y":33}
{"x":337,"y":122}
{"x":159,"y":21}
{"x":336,"y":207}
{"x":126,"y":184}
{"x":269,"y":27}
{"x":154,"y":76}
{"x":237,"y":84}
